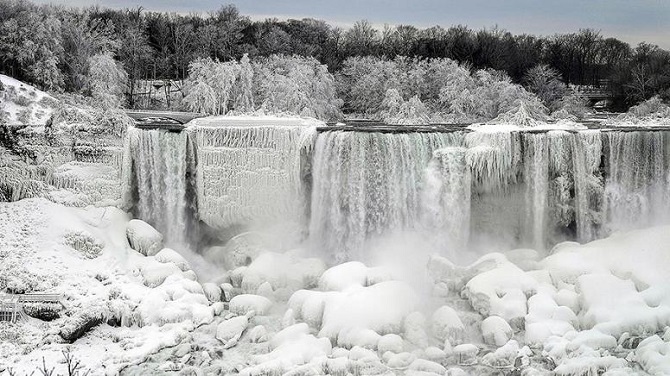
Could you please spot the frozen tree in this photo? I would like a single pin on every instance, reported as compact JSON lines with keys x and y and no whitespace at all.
{"x":107,"y":80}
{"x":390,"y":107}
{"x":413,"y":112}
{"x":545,"y":82}
{"x":200,"y":98}
{"x":296,"y":85}
{"x":244,"y":95}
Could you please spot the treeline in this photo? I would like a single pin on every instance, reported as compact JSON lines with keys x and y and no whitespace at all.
{"x":52,"y":46}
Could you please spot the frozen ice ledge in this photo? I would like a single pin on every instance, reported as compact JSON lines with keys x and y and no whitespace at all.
{"x":342,"y":187}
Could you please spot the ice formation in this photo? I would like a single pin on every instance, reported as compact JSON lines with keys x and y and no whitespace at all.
{"x":251,"y":172}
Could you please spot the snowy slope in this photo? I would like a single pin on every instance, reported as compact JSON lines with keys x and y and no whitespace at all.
{"x":21,"y":103}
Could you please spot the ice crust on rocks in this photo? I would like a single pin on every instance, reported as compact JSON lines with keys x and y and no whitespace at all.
{"x":144,"y":238}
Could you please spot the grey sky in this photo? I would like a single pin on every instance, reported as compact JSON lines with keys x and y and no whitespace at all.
{"x":630,"y":20}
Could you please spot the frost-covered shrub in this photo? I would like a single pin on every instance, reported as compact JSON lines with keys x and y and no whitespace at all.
{"x":43,"y":311}
{"x":545,"y":82}
{"x":395,"y":110}
{"x":571,"y":106}
{"x":653,"y":109}
{"x":88,"y":246}
{"x":524,"y":114}
{"x":112,"y":121}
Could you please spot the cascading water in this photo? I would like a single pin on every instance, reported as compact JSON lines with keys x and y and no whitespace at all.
{"x":586,"y":154}
{"x":457,"y":190}
{"x":636,"y":192}
{"x":366,"y":184}
{"x":446,"y":199}
{"x":537,"y":180}
{"x":158,"y":170}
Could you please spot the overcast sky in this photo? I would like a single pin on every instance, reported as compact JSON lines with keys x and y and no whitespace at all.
{"x":630,"y":20}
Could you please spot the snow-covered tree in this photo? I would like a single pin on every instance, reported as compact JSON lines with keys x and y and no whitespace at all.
{"x":201,"y":98}
{"x":107,"y":80}
{"x":244,"y":95}
{"x":545,"y":82}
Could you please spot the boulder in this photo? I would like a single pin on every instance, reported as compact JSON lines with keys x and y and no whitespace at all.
{"x":167,"y":255}
{"x":230,"y":331}
{"x":144,"y":238}
{"x":447,"y":325}
{"x":245,"y":303}
{"x":496,"y":331}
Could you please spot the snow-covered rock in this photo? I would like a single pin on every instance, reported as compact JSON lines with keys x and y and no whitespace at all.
{"x":365,"y":338}
{"x":144,"y":238}
{"x":230,"y":331}
{"x":390,"y":342}
{"x":381,"y":307}
{"x":154,"y":274}
{"x":446,"y":324}
{"x":345,"y":275}
{"x":246,"y":303}
{"x":501,"y":291}
{"x":424,"y":365}
{"x":258,"y":334}
{"x":466,"y":353}
{"x":496,"y":331}
{"x":167,"y":255}
{"x":212,"y":292}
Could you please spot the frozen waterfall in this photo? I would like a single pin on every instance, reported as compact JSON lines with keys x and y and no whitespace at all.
{"x":343,"y":189}
{"x":367,"y":184}
{"x":157,"y":172}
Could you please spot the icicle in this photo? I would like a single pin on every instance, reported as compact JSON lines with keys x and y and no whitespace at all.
{"x":252,"y":174}
{"x":493,"y":158}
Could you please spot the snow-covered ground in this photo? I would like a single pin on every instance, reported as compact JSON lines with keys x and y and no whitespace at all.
{"x":21,"y":103}
{"x":598,"y":308}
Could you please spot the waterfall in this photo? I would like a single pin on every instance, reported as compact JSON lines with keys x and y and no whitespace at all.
{"x":446,"y":199}
{"x":368,"y":184}
{"x":536,"y":175}
{"x":346,"y":189}
{"x":586,"y":154}
{"x":636,"y":192}
{"x":156,"y":170}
